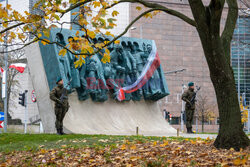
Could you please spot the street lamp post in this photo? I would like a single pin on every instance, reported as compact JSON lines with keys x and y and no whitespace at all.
{"x":141,"y":30}
{"x":182,"y":110}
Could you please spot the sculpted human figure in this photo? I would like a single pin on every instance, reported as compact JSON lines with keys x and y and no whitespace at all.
{"x":139,"y":66}
{"x":74,"y":71}
{"x":64,"y":60}
{"x":96,"y":81}
{"x":118,"y":67}
{"x":154,"y":81}
{"x":152,"y":88}
{"x":131,"y":71}
{"x":136,"y":52}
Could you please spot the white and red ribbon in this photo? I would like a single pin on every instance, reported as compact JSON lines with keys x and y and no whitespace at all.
{"x":147,"y":72}
{"x":20,"y":67}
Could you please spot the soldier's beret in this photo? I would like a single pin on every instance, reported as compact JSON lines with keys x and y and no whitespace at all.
{"x":58,"y":79}
{"x":190,"y":84}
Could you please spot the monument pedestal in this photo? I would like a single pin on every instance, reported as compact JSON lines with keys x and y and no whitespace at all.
{"x":115,"y":118}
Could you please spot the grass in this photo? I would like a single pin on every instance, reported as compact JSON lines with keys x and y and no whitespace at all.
{"x":23,"y":142}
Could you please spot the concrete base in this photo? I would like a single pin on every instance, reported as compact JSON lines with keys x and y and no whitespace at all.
{"x":115,"y":118}
{"x":88,"y":117}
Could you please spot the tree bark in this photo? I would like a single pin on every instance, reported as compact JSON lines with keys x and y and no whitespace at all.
{"x":231,"y":134}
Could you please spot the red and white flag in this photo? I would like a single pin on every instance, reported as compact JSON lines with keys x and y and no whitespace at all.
{"x":18,"y":66}
{"x":148,"y":71}
{"x":1,"y":71}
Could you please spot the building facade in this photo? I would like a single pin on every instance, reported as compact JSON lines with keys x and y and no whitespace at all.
{"x":240,"y":51}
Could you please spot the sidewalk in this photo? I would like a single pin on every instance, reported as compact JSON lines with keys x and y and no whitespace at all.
{"x":203,"y":136}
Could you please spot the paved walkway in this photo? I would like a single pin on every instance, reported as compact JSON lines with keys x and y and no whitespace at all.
{"x":203,"y":136}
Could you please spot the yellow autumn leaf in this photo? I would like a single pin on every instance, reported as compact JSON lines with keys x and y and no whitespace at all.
{"x":5,"y":25}
{"x":45,"y":41}
{"x":75,"y":13}
{"x":43,"y":151}
{"x":56,"y":17}
{"x":193,"y":142}
{"x":123,"y":147}
{"x":134,"y":158}
{"x":96,"y":4}
{"x":46,"y":33}
{"x":148,"y":15}
{"x":155,"y":143}
{"x":77,"y":33}
{"x":91,"y":34}
{"x":117,"y":42}
{"x":138,"y":8}
{"x":133,"y":147}
{"x":106,"y":58}
{"x":82,"y":21}
{"x":39,"y":35}
{"x":12,"y":35}
{"x":108,"y":33}
{"x":20,"y":36}
{"x":239,"y":161}
{"x":164,"y":144}
{"x":90,"y":50}
{"x":8,"y":6}
{"x":62,"y":52}
{"x":115,"y":13}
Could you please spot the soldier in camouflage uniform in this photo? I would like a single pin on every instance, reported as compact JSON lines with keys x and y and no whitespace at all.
{"x":190,"y":107}
{"x":61,"y":106}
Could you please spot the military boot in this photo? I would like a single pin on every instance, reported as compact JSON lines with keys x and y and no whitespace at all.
{"x":58,"y":131}
{"x":191,"y":131}
{"x":61,"y":132}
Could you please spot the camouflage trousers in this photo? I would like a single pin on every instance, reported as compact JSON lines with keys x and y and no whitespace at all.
{"x":189,"y":118}
{"x":60,"y":112}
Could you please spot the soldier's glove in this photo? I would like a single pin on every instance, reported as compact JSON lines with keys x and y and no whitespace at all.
{"x":59,"y":102}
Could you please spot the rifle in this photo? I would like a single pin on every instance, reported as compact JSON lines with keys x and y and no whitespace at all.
{"x":194,"y":96}
{"x":64,"y":91}
{"x":192,"y":100}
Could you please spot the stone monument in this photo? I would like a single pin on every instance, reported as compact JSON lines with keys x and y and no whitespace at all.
{"x":94,"y":106}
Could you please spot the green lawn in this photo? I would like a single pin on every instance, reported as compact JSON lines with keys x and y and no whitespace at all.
{"x":106,"y":150}
{"x":33,"y":142}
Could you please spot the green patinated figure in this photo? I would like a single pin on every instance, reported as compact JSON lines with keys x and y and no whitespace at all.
{"x":59,"y":96}
{"x":190,"y":106}
{"x":134,"y":49}
{"x":96,"y":79}
{"x":130,"y":68}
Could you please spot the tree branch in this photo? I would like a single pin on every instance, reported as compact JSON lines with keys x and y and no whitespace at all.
{"x":99,"y":49}
{"x":73,"y":7}
{"x":9,"y":28}
{"x":215,"y":9}
{"x":109,"y":43}
{"x":199,"y":13}
{"x":20,"y":47}
{"x":159,"y":7}
{"x":228,"y":31}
